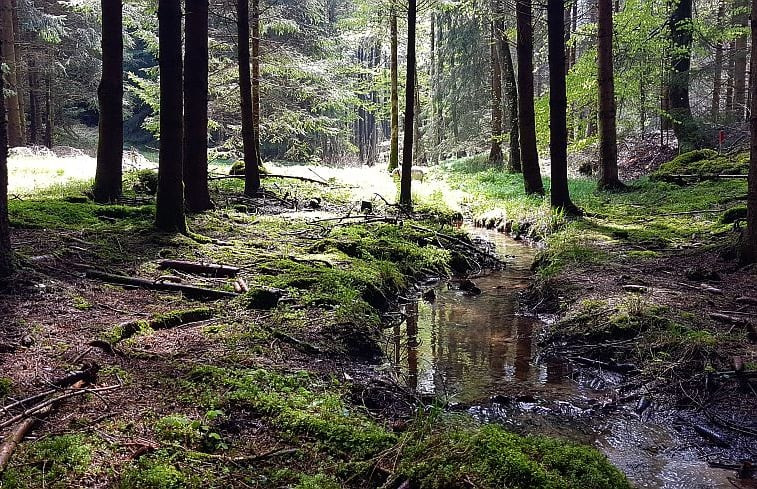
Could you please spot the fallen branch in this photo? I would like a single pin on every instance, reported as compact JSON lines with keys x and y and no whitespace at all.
{"x":190,"y":290}
{"x":267,"y":175}
{"x":54,"y":400}
{"x":212,"y":269}
{"x":15,"y":438}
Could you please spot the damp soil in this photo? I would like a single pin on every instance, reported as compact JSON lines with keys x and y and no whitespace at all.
{"x":483,"y":353}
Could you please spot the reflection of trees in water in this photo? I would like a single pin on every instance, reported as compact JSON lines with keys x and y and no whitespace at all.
{"x":412,"y":345}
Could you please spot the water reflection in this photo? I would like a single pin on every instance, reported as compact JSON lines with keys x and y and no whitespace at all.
{"x":467,"y":347}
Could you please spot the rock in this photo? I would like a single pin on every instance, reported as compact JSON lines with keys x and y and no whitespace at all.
{"x":263,"y":298}
{"x":430,"y":296}
{"x":639,"y":289}
{"x":469,"y":287}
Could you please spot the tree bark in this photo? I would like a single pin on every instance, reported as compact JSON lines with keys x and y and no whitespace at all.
{"x":511,"y":94}
{"x":15,"y":131}
{"x":740,"y":62}
{"x":110,"y":94}
{"x":407,"y":150}
{"x":21,"y":77}
{"x":252,"y":172}
{"x":749,"y":247}
{"x":419,"y":150}
{"x":49,"y":110}
{"x":495,"y":153}
{"x":195,"y":154}
{"x":684,"y":125}
{"x":6,"y":253}
{"x":256,"y":80}
{"x":608,"y":146}
{"x":718,"y":76}
{"x":558,"y":107}
{"x":527,"y":119}
{"x":170,"y":200}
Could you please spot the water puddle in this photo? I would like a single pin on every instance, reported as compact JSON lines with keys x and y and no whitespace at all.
{"x":479,"y":352}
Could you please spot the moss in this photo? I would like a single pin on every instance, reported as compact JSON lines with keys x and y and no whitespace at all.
{"x":154,"y":472}
{"x":262,"y":298}
{"x":490,"y":457}
{"x":59,"y":214}
{"x":734,"y":214}
{"x":703,"y":162}
{"x":159,"y":321}
{"x":302,"y":407}
{"x":51,"y":462}
{"x":318,"y":481}
{"x":6,"y":385}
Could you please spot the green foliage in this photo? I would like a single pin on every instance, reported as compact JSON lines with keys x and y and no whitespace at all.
{"x":59,"y":214}
{"x":6,"y":385}
{"x":154,"y":472}
{"x":147,"y":182}
{"x":301,"y":406}
{"x":704,"y":162}
{"x":490,"y":457}
{"x":50,"y":462}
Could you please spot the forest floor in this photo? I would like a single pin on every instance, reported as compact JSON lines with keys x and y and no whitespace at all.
{"x":282,"y":386}
{"x":286,"y":385}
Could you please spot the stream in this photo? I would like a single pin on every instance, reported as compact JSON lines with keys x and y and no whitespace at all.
{"x":478,"y":353}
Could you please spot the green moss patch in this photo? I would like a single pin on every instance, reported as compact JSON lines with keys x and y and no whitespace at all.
{"x":490,"y":457}
{"x":60,"y":214}
{"x":704,"y":162}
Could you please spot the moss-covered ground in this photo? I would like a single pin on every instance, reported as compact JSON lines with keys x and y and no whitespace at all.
{"x":642,"y":276}
{"x":270,"y":389}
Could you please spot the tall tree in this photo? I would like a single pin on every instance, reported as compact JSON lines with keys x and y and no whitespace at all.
{"x":6,"y":253}
{"x":558,"y":107}
{"x":15,"y":129}
{"x":684,"y":125}
{"x":394,"y":149}
{"x":740,"y":60}
{"x":407,"y":149}
{"x":718,"y":76}
{"x":527,"y":119}
{"x":170,"y":200}
{"x":256,"y":80}
{"x":196,"y":107}
{"x":495,"y":153}
{"x":252,"y":172}
{"x":749,"y":246}
{"x":511,"y":94}
{"x":608,"y":145}
{"x":110,"y":95}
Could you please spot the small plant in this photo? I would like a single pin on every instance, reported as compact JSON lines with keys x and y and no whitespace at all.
{"x":5,"y":387}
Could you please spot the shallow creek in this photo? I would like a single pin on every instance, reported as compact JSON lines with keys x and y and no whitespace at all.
{"x":481,"y":355}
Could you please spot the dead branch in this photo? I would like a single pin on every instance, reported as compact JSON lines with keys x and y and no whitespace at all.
{"x":190,"y":290}
{"x":212,"y":269}
{"x":267,"y":175}
{"x":16,"y":437}
{"x":73,"y":392}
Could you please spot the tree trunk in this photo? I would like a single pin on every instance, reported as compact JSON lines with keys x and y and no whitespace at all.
{"x":407,"y":149}
{"x":495,"y":153}
{"x":749,"y":248}
{"x":49,"y":110}
{"x":729,"y":86}
{"x":21,"y":77}
{"x":558,"y":107}
{"x":170,"y":200}
{"x":527,"y":120}
{"x":35,"y":102}
{"x":252,"y":172}
{"x":608,"y":146}
{"x":6,"y":254}
{"x":718,"y":76}
{"x":15,"y":131}
{"x":740,"y":62}
{"x":511,"y":96}
{"x":256,"y":79}
{"x":110,"y":94}
{"x":196,"y":107}
{"x":419,"y":150}
{"x":684,"y":125}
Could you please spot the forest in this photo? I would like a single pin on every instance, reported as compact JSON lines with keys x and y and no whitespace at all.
{"x":392,"y":244}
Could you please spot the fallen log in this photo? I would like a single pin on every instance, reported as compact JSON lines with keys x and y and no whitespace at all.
{"x":212,"y":269}
{"x":190,"y":290}
{"x":710,"y":435}
{"x":16,"y":437}
{"x":268,"y":175}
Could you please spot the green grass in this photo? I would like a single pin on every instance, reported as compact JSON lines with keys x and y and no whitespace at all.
{"x":53,"y":462}
{"x":650,"y":216}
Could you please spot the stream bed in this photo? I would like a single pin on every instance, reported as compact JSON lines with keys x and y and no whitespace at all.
{"x":481,"y":355}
